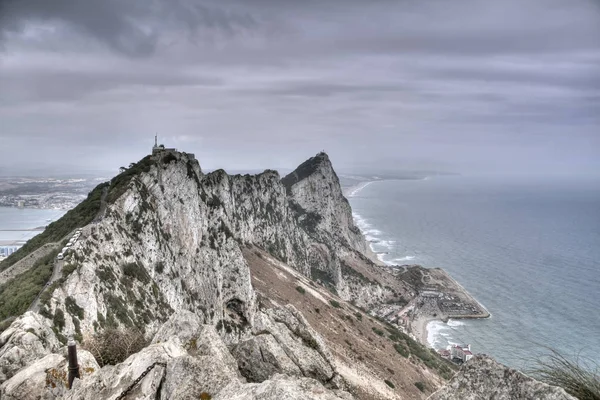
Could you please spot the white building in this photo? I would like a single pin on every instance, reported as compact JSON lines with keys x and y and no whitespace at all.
{"x":461,"y":352}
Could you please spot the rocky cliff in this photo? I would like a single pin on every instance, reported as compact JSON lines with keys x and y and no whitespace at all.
{"x":484,"y":378}
{"x":247,"y":287}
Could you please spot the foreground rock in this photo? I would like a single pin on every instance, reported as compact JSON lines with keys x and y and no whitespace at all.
{"x":484,"y":378}
{"x":193,"y":362}
{"x":47,"y":377}
{"x":28,"y":339}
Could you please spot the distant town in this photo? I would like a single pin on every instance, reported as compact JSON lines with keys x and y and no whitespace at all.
{"x":45,"y":193}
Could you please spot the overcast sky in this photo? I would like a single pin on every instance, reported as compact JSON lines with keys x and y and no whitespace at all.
{"x":470,"y":86}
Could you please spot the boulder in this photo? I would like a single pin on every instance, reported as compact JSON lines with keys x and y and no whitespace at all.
{"x":281,"y":387}
{"x":111,"y":381}
{"x":261,"y":357}
{"x":484,"y":378}
{"x":28,"y":339}
{"x":47,"y":378}
{"x":183,"y":325}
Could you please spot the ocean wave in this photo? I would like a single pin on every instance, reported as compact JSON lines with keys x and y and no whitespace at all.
{"x":355,"y":190}
{"x":387,"y":243}
{"x":405,"y":258}
{"x":453,"y":323}
{"x":434,"y":333}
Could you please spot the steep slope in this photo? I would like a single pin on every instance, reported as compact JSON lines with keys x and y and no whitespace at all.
{"x":169,"y":239}
{"x":482,"y":378}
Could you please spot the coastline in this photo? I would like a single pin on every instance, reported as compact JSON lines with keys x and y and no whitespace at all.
{"x":444,"y":285}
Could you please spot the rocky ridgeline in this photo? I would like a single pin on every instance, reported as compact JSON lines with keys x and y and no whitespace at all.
{"x":484,"y":378}
{"x":169,"y":255}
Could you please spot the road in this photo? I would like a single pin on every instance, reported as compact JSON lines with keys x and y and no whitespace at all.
{"x":56,"y":274}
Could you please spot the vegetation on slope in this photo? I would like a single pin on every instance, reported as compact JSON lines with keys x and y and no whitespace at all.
{"x":577,"y":377}
{"x":406,"y":346}
{"x":120,"y":183}
{"x":79,"y":216}
{"x":17,"y":294}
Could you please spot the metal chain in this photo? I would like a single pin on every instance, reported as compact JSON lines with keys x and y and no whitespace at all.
{"x":134,"y":384}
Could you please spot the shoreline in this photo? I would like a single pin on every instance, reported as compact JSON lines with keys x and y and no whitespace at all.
{"x":448,"y":286}
{"x":433,"y":311}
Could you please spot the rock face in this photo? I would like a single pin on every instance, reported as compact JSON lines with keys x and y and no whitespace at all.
{"x":47,"y":378}
{"x":484,"y":378}
{"x":193,"y":362}
{"x":29,"y":338}
{"x":171,"y":254}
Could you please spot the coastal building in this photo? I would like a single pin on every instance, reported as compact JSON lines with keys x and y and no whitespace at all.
{"x":461,"y":352}
{"x":445,"y":353}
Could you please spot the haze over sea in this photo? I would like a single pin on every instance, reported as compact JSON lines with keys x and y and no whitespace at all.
{"x":529,"y":251}
{"x":13,"y":220}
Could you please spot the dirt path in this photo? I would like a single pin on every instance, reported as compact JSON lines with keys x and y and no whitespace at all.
{"x":56,"y":274}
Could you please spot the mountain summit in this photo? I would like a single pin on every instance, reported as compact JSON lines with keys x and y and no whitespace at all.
{"x":236,"y":286}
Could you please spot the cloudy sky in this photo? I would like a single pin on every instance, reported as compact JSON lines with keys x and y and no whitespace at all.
{"x":463,"y":85}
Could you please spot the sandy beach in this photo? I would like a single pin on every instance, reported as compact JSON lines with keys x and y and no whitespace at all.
{"x":419,"y":328}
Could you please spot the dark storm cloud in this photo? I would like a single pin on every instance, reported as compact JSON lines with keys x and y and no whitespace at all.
{"x":464,"y":85}
{"x":132,"y":27}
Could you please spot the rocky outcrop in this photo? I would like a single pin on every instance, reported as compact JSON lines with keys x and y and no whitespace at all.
{"x":171,"y":254}
{"x":281,"y":387}
{"x":28,"y":339}
{"x":284,"y":343}
{"x":484,"y":378}
{"x":317,"y":199}
{"x":193,"y":362}
{"x":47,"y":378}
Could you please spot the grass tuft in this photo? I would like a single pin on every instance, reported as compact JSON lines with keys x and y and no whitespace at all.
{"x":579,"y":377}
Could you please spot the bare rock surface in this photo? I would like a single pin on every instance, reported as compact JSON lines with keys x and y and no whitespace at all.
{"x":111,"y":381}
{"x":282,"y":387}
{"x":484,"y":378}
{"x":28,"y":339}
{"x":47,"y":378}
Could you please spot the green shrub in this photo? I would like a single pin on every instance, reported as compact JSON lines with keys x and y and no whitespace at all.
{"x":59,"y":319}
{"x":403,"y":351}
{"x":113,"y":346}
{"x":335,"y":304}
{"x":17,"y":294}
{"x":6,"y":323}
{"x":68,"y":270}
{"x":73,"y":308}
{"x":136,"y":271}
{"x":358,"y":316}
{"x":420,"y":386}
{"x":159,"y":267}
{"x":390,"y":384}
{"x":378,"y":331}
{"x":300,"y":289}
{"x":79,"y":216}
{"x":120,"y":183}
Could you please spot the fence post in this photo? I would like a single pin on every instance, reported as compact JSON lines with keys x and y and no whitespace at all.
{"x":73,"y":365}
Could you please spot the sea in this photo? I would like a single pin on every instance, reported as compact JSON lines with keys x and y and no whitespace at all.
{"x":527,"y":249}
{"x":15,"y":224}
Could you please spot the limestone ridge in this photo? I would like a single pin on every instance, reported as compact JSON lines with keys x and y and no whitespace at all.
{"x":170,"y":239}
{"x":316,"y":197}
{"x":484,"y":378}
{"x":223,"y":274}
